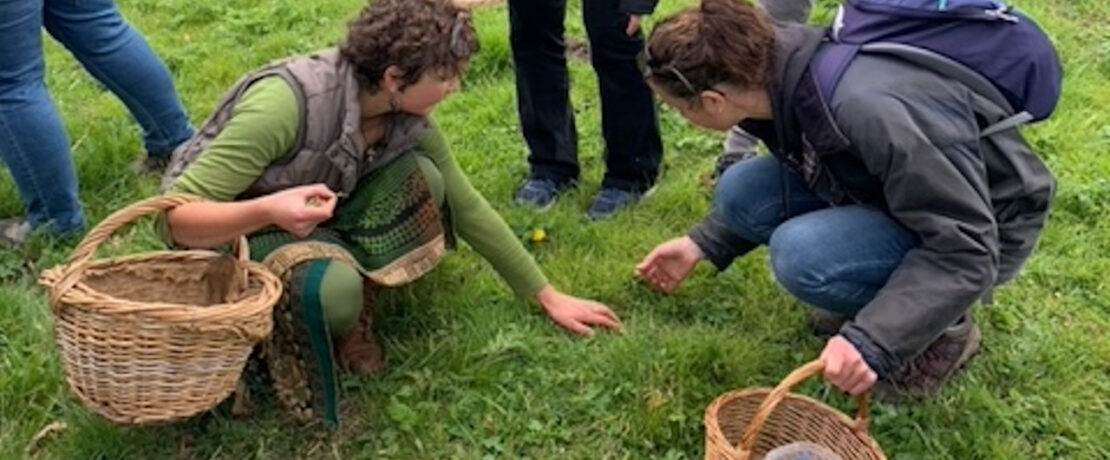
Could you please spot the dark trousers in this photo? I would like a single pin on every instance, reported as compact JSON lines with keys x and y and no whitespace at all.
{"x":629,"y":125}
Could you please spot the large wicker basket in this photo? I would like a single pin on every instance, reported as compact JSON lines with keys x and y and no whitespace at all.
{"x":746,"y":424}
{"x":138,"y":339}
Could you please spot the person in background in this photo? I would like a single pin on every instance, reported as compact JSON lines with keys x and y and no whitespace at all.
{"x":629,"y":125}
{"x":33,"y":141}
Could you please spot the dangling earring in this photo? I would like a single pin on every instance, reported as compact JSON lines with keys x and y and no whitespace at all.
{"x":394,"y":105}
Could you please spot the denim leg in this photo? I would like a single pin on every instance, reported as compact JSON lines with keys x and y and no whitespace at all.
{"x":33,"y":141}
{"x":120,"y":58}
{"x":838,"y":258}
{"x":749,"y":197}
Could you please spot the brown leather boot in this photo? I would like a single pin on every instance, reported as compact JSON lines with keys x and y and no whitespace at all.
{"x":358,"y":350}
{"x":927,"y":374}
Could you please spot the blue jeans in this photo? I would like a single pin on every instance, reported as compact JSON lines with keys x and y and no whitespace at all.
{"x":33,"y":141}
{"x":834,"y":258}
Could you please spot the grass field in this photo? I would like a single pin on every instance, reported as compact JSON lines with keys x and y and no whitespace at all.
{"x":477,"y":373}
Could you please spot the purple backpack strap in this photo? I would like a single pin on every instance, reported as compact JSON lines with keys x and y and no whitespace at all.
{"x":829,"y":64}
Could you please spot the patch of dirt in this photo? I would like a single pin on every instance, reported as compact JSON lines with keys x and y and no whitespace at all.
{"x":578,"y":49}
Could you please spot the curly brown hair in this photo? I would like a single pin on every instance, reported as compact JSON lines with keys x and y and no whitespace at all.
{"x":721,"y":41}
{"x":417,"y":36}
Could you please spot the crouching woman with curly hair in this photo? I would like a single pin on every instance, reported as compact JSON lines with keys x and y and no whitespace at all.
{"x":331,"y":166}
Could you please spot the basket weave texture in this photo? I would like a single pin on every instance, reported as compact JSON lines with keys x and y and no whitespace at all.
{"x":138,"y":339}
{"x":747,"y":424}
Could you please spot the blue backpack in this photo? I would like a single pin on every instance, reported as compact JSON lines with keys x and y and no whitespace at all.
{"x":985,"y":44}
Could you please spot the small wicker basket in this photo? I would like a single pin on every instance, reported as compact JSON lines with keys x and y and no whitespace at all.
{"x":139,"y":341}
{"x":746,"y":424}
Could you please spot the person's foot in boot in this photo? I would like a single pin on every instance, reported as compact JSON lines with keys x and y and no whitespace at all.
{"x":358,"y":350}
{"x":610,"y":200}
{"x":540,"y":194}
{"x":824,"y":323}
{"x":927,"y":374}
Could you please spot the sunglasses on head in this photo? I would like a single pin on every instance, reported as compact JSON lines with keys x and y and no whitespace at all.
{"x":459,"y":46}
{"x":647,"y":68}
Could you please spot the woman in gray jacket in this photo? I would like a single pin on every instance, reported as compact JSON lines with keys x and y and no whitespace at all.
{"x":892,"y":214}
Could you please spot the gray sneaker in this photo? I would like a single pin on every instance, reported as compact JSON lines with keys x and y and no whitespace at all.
{"x":14,"y":231}
{"x":927,"y":374}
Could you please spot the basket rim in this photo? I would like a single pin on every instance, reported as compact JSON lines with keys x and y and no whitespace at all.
{"x":83,"y":296}
{"x":843,"y":419}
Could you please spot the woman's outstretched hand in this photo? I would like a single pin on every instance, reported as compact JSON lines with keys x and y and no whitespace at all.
{"x":666,"y":266}
{"x":576,"y":315}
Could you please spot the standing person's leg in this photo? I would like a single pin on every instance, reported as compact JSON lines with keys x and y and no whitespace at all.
{"x":120,"y":58}
{"x":543,"y":99}
{"x":739,"y":144}
{"x":633,"y":149}
{"x":33,"y":141}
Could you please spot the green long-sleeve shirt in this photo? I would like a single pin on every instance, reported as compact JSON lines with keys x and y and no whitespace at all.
{"x":263,"y":128}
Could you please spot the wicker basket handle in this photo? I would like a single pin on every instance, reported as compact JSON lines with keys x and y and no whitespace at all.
{"x":799,"y":375}
{"x":79,"y":260}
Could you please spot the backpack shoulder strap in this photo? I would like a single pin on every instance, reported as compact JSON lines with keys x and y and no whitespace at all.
{"x":829,"y":65}
{"x":833,"y":60}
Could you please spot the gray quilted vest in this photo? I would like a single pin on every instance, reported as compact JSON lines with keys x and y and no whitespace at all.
{"x":329,"y":148}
